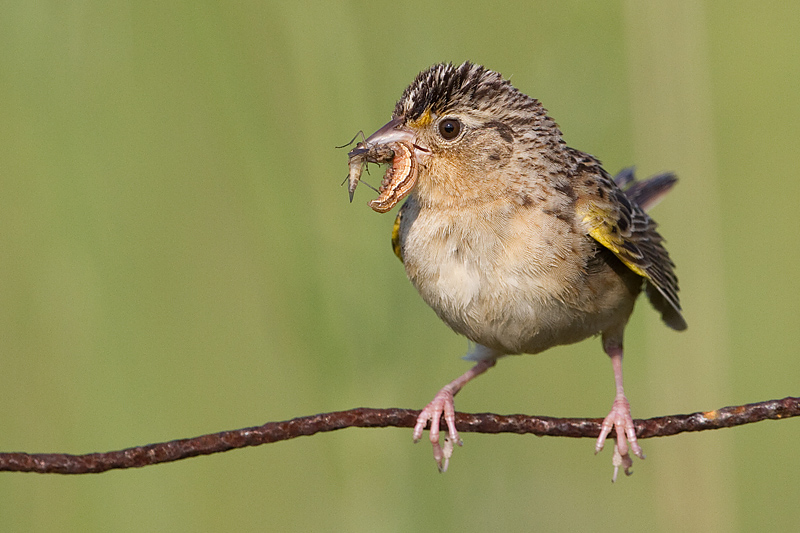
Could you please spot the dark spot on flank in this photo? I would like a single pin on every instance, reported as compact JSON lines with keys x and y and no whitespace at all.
{"x":559,"y":214}
{"x":526,"y":201}
{"x":494,"y":157}
{"x":566,"y":189}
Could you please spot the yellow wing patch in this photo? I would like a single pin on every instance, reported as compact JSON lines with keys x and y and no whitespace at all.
{"x":603,"y":229}
{"x":618,"y":222}
{"x":398,"y":250}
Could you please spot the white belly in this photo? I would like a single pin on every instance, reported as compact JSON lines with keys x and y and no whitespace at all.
{"x":513,"y":292}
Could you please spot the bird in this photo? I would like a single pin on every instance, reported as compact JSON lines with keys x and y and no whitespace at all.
{"x":516,"y":240}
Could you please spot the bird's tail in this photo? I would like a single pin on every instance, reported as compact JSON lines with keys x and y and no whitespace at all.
{"x":646,"y":193}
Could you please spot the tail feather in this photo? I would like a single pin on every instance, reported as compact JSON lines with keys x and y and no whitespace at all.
{"x":647,"y":193}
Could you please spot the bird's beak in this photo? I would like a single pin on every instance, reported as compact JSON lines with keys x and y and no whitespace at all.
{"x":392,"y":143}
{"x":392,"y":131}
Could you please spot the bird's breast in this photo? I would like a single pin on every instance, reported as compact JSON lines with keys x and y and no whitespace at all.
{"x":507,"y":277}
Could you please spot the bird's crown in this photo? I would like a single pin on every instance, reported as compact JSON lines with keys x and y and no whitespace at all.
{"x":444,"y":87}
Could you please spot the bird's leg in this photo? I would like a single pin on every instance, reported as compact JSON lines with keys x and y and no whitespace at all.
{"x":442,"y":403}
{"x":620,"y":417}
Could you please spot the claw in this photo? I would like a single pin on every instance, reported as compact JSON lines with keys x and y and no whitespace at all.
{"x":447,"y":451}
{"x":621,"y":421}
{"x":618,"y":460}
{"x":442,"y":404}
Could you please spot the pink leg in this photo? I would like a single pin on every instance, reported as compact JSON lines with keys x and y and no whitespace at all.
{"x":442,"y":403}
{"x":620,"y":417}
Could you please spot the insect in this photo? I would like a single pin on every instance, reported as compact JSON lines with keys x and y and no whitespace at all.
{"x":399,"y":178}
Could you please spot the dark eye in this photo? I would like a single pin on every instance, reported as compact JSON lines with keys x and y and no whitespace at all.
{"x":449,"y":128}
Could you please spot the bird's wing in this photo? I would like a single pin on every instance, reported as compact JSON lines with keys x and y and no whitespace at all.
{"x":623,"y":227}
{"x":396,"y":246}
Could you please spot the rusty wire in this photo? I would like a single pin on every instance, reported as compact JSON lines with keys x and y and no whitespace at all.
{"x":165,"y":452}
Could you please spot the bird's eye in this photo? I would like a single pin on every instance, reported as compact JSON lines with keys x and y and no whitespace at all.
{"x":449,"y":128}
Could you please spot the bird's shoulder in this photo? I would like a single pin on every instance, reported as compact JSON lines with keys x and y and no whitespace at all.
{"x":397,"y":245}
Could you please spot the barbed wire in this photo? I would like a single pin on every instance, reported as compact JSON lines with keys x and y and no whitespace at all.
{"x":165,"y":452}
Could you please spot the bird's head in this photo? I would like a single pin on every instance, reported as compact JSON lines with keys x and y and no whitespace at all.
{"x":466,"y":129}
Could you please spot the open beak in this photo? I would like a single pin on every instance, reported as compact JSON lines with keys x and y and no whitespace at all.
{"x":390,"y":144}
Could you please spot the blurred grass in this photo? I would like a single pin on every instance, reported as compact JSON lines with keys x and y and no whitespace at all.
{"x":177,"y":257}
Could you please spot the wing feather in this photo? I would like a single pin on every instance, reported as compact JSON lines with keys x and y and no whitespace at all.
{"x":622,"y":226}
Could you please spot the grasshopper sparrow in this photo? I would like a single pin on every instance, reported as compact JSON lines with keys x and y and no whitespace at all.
{"x":516,"y":240}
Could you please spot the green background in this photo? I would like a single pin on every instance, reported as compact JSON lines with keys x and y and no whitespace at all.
{"x":177,"y":257}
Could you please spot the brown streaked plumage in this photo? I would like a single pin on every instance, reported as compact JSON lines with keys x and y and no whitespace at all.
{"x":516,"y":240}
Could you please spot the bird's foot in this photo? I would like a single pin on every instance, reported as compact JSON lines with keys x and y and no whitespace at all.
{"x":621,"y":421}
{"x":441,"y":404}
